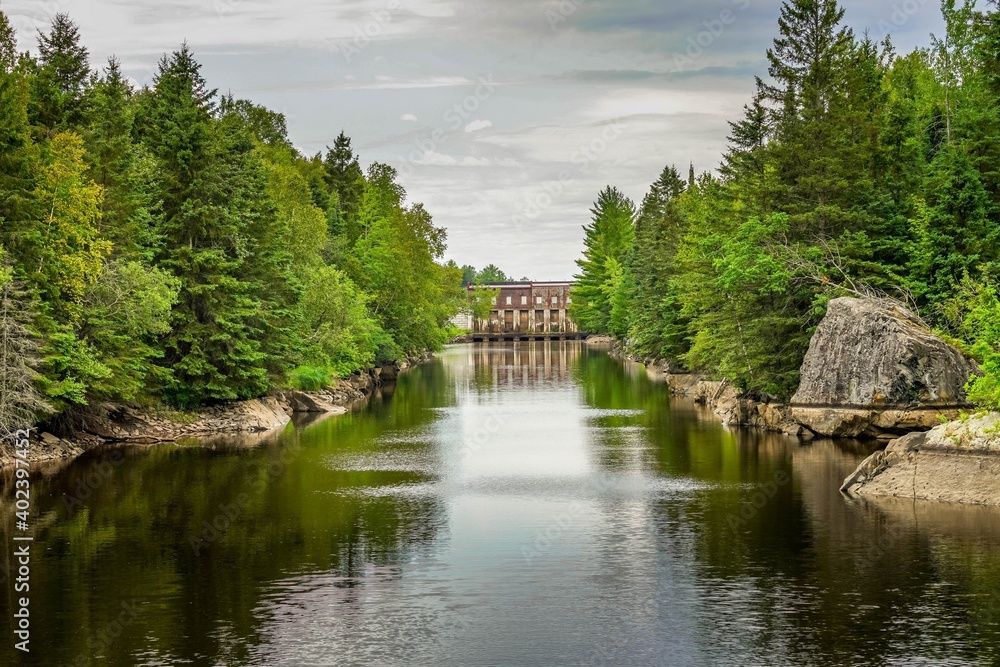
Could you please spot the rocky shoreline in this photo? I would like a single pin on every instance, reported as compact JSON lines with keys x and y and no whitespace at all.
{"x":874,"y":371}
{"x":116,"y":424}
{"x":954,"y":462}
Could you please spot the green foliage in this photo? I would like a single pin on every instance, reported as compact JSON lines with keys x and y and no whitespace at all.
{"x":309,"y":378}
{"x":124,"y":168}
{"x":609,"y":237}
{"x":738,"y":295}
{"x":482,"y":301}
{"x":491,"y":274}
{"x":393,"y":260}
{"x":340,"y":333}
{"x":60,"y":75}
{"x":654,"y":325}
{"x":166,"y":245}
{"x":125,"y":312}
{"x":974,"y":311}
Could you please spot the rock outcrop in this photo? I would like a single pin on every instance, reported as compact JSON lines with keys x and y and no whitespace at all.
{"x":873,"y":369}
{"x":116,"y":423}
{"x":731,"y":408}
{"x":956,"y":462}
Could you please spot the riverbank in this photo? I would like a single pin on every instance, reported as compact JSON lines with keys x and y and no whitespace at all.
{"x":954,"y":462}
{"x":117,"y":424}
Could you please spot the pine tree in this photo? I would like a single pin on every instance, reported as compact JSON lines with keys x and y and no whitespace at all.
{"x":654,"y":329}
{"x":8,"y":44}
{"x":121,"y":166}
{"x":213,"y":351}
{"x":608,"y":238}
{"x":808,"y":65}
{"x":345,"y":178}
{"x":18,"y":154}
{"x":63,"y":68}
{"x":747,"y":165}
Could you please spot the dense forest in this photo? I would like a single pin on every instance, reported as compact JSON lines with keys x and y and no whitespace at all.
{"x":166,"y":245}
{"x":853,"y":171}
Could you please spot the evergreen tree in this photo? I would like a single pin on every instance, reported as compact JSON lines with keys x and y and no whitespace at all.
{"x":808,"y":65}
{"x":608,"y":238}
{"x":8,"y":44}
{"x":345,"y":178}
{"x":654,"y":328}
{"x":18,"y":154}
{"x":213,"y":351}
{"x":491,"y":274}
{"x":58,"y":84}
{"x":747,"y":166}
{"x":121,"y":166}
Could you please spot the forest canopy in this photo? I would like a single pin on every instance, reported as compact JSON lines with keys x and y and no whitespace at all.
{"x":168,"y":244}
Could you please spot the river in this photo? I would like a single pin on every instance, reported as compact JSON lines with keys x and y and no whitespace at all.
{"x":527,"y":504}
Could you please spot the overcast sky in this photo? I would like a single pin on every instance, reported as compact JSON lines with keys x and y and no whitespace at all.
{"x":505,"y":117}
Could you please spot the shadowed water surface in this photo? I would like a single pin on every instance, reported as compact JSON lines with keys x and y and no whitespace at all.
{"x":528,"y":504}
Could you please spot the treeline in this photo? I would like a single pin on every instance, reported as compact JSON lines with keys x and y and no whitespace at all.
{"x":854,"y":170}
{"x":169,"y":244}
{"x":488,"y":274}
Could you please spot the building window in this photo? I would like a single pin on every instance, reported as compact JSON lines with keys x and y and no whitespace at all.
{"x":509,"y":301}
{"x":555,"y":301}
{"x":524,"y":301}
{"x":568,"y":301}
{"x":538,"y":300}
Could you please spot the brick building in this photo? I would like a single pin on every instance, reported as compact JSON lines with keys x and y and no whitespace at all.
{"x":528,"y":307}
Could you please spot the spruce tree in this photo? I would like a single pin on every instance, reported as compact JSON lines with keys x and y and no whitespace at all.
{"x":58,"y":84}
{"x":213,"y":351}
{"x":655,"y":329}
{"x":121,"y":166}
{"x":608,"y":238}
{"x":18,"y":153}
{"x":344,"y":178}
{"x":807,"y":63}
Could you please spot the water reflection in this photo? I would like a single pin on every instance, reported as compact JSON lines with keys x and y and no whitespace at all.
{"x":519,"y":504}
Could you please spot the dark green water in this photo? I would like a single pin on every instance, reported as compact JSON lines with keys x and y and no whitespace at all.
{"x":534,"y":505}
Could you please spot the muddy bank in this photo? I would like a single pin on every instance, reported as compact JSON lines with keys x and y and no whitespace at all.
{"x":116,"y":424}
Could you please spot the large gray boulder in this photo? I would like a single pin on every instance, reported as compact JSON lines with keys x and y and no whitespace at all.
{"x":874,"y":369}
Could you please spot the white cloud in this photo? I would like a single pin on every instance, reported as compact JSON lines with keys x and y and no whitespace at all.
{"x":476,"y":162}
{"x":477,"y":125}
{"x":408,"y":117}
